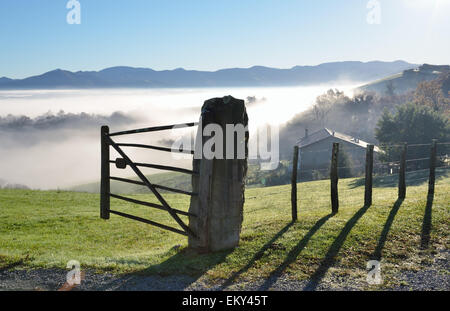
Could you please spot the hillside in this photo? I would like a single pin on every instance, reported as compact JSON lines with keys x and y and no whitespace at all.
{"x":407,"y":80}
{"x":173,"y":180}
{"x":56,"y":226}
{"x":254,"y":76}
{"x":255,"y":178}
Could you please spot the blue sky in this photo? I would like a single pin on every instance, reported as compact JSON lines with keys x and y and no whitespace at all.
{"x":214,"y":34}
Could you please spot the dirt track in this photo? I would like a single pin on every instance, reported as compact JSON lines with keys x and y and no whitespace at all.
{"x":435,"y":276}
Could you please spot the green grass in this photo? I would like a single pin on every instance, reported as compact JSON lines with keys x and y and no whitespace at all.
{"x":174,"y":180}
{"x":255,"y":178}
{"x":49,"y":228}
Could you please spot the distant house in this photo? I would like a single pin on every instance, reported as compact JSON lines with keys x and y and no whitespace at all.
{"x":315,"y":149}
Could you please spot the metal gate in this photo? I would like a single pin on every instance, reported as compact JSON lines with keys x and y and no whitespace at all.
{"x":124,"y":161}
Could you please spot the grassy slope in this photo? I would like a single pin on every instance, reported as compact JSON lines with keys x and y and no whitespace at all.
{"x":255,"y":178}
{"x":401,"y":82}
{"x":48,"y":228}
{"x":174,"y":180}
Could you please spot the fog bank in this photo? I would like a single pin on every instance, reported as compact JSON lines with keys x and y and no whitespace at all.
{"x":50,"y":138}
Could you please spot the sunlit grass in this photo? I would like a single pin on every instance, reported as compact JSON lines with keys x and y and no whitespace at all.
{"x":49,"y":228}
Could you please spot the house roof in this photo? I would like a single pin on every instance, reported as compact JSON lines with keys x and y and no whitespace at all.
{"x":325,"y":133}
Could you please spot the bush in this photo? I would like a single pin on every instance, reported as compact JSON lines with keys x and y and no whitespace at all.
{"x":414,"y":124}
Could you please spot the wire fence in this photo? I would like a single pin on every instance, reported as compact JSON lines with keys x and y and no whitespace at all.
{"x":393,"y":165}
{"x":386,"y":168}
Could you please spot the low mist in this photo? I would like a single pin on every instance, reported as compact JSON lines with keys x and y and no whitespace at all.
{"x":50,"y":139}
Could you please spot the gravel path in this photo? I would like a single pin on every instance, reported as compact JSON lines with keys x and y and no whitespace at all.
{"x":434,"y":276}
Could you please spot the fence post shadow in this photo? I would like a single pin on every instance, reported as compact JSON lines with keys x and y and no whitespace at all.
{"x":256,"y":257}
{"x":387,"y":227}
{"x":333,"y":250}
{"x":427,"y":217}
{"x":293,"y":254}
{"x":426,"y":225}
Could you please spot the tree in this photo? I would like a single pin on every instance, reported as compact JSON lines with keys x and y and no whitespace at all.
{"x":325,"y":103}
{"x":345,"y":164}
{"x":435,"y":94}
{"x":430,"y":94}
{"x":390,"y":88}
{"x":413,"y":124}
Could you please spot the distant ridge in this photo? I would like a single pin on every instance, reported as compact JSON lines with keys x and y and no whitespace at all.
{"x":122,"y":76}
{"x":407,"y":80}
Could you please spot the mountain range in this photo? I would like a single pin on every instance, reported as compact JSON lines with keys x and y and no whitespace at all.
{"x":348,"y":71}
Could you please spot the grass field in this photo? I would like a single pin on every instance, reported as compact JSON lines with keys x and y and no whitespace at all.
{"x":174,"y":180}
{"x":49,"y":228}
{"x":182,"y":181}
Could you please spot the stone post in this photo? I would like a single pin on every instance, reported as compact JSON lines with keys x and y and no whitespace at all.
{"x":220,"y":185}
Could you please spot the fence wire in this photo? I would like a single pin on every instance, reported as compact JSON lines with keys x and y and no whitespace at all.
{"x":386,"y":173}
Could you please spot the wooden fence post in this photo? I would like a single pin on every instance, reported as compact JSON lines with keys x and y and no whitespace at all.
{"x":104,"y":181}
{"x":402,"y":174}
{"x":369,"y":172}
{"x":294,"y":184}
{"x":334,"y":179}
{"x":432,"y":178}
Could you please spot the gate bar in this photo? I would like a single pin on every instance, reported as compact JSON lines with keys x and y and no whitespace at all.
{"x":156,"y":148}
{"x":150,"y":186}
{"x":130,"y":181}
{"x":156,"y":224}
{"x":154,"y":185}
{"x":174,"y":190}
{"x":155,"y":128}
{"x":163,"y":167}
{"x":157,"y":206}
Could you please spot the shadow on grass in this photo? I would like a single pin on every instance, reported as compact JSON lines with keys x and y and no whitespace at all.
{"x":186,"y":267}
{"x":7,"y":264}
{"x":330,"y":257}
{"x":426,"y":225}
{"x":293,"y":254}
{"x":412,"y":179}
{"x":255,"y":257}
{"x":11,"y":265}
{"x":387,"y":227}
